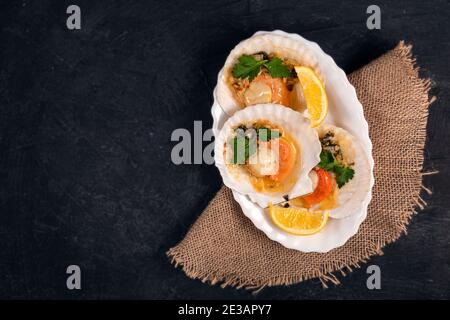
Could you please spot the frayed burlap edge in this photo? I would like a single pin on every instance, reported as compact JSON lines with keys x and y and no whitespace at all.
{"x":330,"y":272}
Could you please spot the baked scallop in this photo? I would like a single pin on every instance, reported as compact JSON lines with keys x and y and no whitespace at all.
{"x":261,"y":69}
{"x":266,"y":152}
{"x":342,"y":178}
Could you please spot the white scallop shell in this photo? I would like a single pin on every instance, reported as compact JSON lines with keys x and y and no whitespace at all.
{"x":292,"y":122}
{"x":353,"y":193}
{"x":275,"y":43}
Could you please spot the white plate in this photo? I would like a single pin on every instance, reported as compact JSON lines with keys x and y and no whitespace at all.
{"x":344,"y":111}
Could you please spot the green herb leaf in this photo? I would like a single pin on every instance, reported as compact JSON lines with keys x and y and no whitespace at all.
{"x":343,"y":175}
{"x":329,"y":162}
{"x":250,"y":147}
{"x":243,"y":148}
{"x":278,"y":69}
{"x":265,"y":134}
{"x":247,"y":67}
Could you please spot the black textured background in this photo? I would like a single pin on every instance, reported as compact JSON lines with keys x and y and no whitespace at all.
{"x":85,"y":124}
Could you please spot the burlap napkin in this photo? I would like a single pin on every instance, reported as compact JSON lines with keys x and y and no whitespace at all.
{"x":223,"y":246}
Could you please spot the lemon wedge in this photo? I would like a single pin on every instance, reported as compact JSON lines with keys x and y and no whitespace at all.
{"x":298,"y":221}
{"x":314,"y":94}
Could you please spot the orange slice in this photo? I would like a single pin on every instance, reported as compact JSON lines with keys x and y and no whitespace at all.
{"x":314,"y":94}
{"x":298,"y":221}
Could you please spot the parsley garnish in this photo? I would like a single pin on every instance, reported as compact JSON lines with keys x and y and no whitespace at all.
{"x":244,"y":145}
{"x":243,"y":148}
{"x":265,"y":134}
{"x":277,"y":68}
{"x":343,"y":175}
{"x":329,"y":162}
{"x":249,"y":67}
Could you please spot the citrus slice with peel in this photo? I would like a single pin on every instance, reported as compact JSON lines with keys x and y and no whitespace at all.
{"x":314,"y":94}
{"x":298,"y":221}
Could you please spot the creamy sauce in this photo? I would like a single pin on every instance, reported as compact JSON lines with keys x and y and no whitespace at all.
{"x":331,"y":201}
